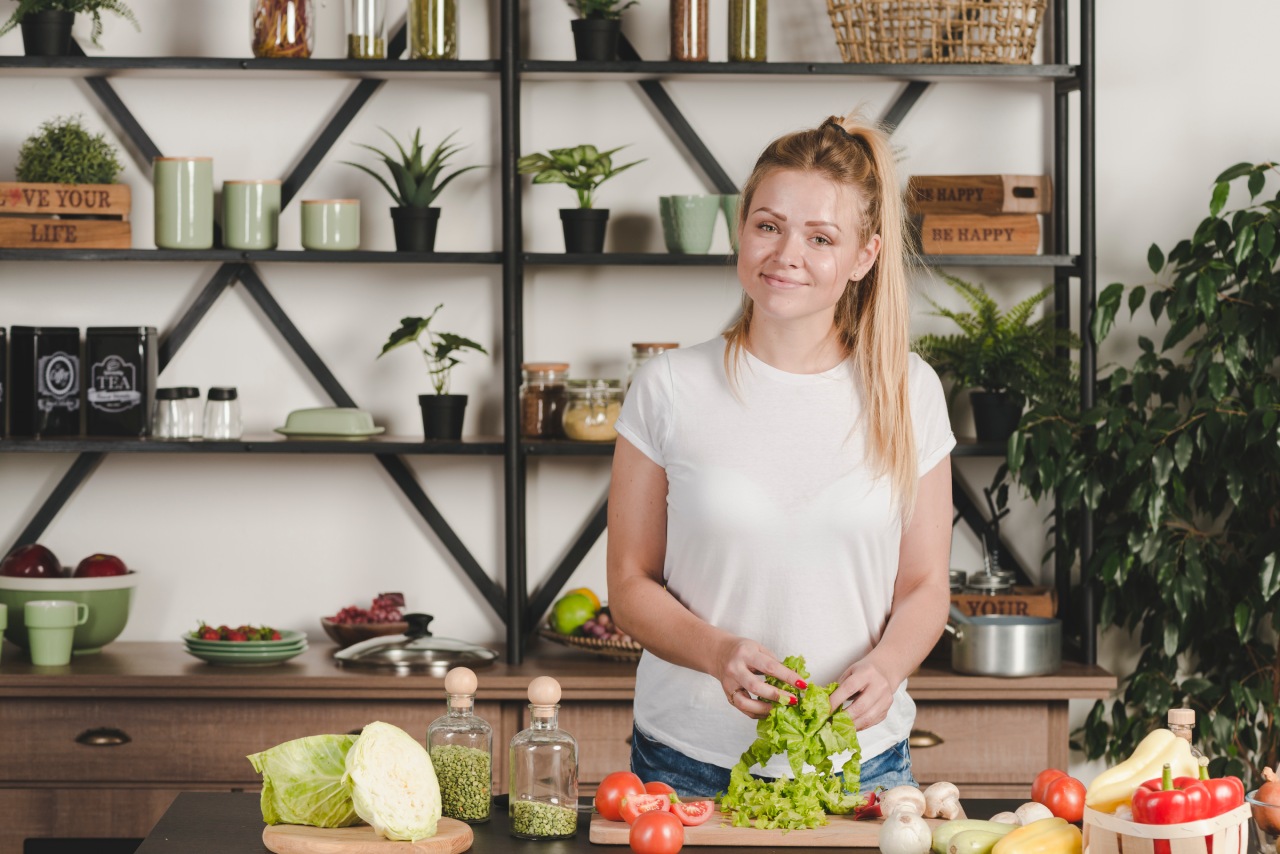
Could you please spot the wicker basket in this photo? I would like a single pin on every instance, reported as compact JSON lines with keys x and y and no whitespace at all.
{"x":611,"y":648}
{"x":1106,"y":834}
{"x":936,"y":31}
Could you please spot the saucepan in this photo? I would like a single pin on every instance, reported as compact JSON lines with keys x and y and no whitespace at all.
{"x":1005,"y":646}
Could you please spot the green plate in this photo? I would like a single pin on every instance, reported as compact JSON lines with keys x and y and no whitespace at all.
{"x":246,"y":659}
{"x":250,"y":653}
{"x":288,"y":637}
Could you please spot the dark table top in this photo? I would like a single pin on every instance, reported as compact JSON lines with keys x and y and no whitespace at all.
{"x":231,"y":823}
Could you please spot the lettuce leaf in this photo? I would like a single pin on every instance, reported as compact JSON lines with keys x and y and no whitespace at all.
{"x":302,"y":782}
{"x":808,"y":734}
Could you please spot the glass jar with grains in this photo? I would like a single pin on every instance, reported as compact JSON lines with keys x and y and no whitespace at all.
{"x":591,"y":410}
{"x":543,"y":769}
{"x":542,"y":397}
{"x":643,"y":351}
{"x":461,"y":748}
{"x":283,"y":29}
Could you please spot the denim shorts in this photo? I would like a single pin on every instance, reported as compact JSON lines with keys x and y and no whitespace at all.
{"x":653,"y":760}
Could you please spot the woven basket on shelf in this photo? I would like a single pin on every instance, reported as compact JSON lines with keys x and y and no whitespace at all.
{"x":611,"y":648}
{"x":936,"y":31}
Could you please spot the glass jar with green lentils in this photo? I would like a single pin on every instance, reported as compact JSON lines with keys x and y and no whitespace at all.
{"x":543,"y":765}
{"x":461,"y":748}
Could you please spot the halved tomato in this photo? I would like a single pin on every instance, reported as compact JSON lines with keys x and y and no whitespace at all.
{"x":692,"y":813}
{"x":633,"y":806}
{"x":657,"y":787}
{"x":613,"y":789}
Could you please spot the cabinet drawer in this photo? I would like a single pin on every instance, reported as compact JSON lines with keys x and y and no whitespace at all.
{"x":985,"y":743}
{"x":184,"y":741}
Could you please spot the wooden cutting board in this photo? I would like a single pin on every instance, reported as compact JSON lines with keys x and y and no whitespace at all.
{"x":841,"y":832}
{"x":452,"y":836}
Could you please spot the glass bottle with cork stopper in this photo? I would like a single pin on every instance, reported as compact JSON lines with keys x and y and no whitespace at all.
{"x":461,"y":747}
{"x":544,"y":770}
{"x":1182,"y":723}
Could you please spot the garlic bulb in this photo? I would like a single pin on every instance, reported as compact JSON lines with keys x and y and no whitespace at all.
{"x":905,"y":832}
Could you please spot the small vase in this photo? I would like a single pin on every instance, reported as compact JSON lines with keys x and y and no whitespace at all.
{"x":584,"y":230}
{"x":47,"y":33}
{"x":442,"y":415}
{"x":433,"y":29}
{"x":596,"y":39}
{"x":415,"y":228}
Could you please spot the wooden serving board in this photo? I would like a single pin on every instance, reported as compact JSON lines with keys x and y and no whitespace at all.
{"x":840,"y":832}
{"x":452,"y":836}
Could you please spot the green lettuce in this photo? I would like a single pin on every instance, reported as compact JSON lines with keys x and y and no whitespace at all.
{"x":808,"y":733}
{"x":302,"y":782}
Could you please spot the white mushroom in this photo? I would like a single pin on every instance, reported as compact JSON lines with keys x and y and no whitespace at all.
{"x":942,"y":800}
{"x":1032,"y":811}
{"x":1006,"y":818}
{"x":902,"y":797}
{"x":905,"y":832}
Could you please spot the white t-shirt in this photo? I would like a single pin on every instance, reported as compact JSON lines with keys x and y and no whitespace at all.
{"x":776,"y":530}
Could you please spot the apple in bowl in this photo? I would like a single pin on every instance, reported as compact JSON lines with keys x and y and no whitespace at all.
{"x":31,"y":561}
{"x":100,"y":566}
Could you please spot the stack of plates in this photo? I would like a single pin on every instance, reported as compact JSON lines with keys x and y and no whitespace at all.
{"x":256,"y":653}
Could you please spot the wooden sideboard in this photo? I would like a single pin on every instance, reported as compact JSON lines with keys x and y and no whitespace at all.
{"x":101,"y":748}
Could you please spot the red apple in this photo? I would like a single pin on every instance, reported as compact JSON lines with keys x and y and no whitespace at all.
{"x":31,"y":561}
{"x":95,"y":566}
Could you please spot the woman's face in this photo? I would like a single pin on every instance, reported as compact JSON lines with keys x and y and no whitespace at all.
{"x":800,"y":245}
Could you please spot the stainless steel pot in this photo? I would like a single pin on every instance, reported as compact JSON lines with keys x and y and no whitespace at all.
{"x":1005,"y":646}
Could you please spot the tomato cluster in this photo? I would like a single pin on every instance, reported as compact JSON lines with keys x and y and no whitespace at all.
{"x":656,"y":814}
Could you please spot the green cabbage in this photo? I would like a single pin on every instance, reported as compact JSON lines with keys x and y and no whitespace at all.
{"x":393,"y":783}
{"x":303,"y":782}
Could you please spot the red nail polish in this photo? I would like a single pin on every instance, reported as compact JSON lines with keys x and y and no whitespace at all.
{"x":791,"y":701}
{"x":801,"y":684}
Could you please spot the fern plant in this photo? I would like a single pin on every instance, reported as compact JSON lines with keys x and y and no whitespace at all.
{"x":418,"y":182}
{"x":95,"y":8}
{"x":1011,"y":352}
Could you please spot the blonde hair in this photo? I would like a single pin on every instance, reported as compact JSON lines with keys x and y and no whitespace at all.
{"x":872,"y":315}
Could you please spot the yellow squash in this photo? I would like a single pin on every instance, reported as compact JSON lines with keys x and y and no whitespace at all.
{"x":1114,"y":787}
{"x":1046,"y":836}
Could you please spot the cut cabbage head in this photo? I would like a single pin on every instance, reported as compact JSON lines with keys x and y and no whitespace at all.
{"x":303,"y":782}
{"x":393,"y":783}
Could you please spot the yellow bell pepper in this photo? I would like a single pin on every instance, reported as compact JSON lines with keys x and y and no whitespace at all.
{"x":1046,"y":836}
{"x":1114,"y":787}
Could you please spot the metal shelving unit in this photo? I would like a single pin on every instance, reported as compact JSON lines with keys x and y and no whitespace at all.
{"x":514,"y":604}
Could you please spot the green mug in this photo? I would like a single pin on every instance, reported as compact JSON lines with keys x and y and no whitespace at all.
{"x":250,"y":214}
{"x":183,"y":202}
{"x":729,"y":204}
{"x":331,"y":225}
{"x":688,"y":222}
{"x":51,"y":626}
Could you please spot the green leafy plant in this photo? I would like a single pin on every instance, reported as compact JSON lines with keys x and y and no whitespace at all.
{"x":92,"y":7}
{"x":439,"y":347}
{"x":417,"y":182}
{"x":63,"y":152}
{"x":1008,"y":352}
{"x":607,"y":9}
{"x":583,"y":169}
{"x":1179,"y":462}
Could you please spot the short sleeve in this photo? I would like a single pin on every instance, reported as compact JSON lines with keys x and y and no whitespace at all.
{"x":934,"y":438}
{"x":647,"y":409}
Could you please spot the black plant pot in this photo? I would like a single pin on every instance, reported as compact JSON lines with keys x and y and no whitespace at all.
{"x":415,"y":228}
{"x":442,"y":415}
{"x":47,"y":33}
{"x":584,"y":229}
{"x":995,"y":415}
{"x":596,"y":39}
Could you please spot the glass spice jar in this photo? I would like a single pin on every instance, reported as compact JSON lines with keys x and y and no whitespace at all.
{"x":591,"y":410}
{"x":461,"y":747}
{"x":366,"y":29}
{"x":643,"y":351}
{"x":689,"y":30}
{"x":543,"y":764}
{"x":748,"y":30}
{"x":988,"y":584}
{"x":283,"y":28}
{"x":542,"y":398}
{"x":433,"y":29}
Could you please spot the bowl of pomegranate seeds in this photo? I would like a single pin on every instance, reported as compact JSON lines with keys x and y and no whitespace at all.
{"x":354,"y":624}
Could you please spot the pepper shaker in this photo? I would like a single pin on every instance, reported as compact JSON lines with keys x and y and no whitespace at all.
{"x":222,"y":414}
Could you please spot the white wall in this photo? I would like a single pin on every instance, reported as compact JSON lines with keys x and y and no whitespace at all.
{"x":287,"y":539}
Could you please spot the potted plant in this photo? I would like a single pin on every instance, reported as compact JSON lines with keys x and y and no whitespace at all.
{"x":597,"y":28}
{"x":417,"y":183}
{"x":583,"y":169}
{"x":46,"y":24}
{"x":1005,"y":359}
{"x":442,"y":412}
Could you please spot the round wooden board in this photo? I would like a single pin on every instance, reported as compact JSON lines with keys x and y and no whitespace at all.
{"x":452,"y":836}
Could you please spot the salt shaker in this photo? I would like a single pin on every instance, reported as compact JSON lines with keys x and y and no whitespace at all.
{"x":166,"y":420}
{"x":222,"y":414}
{"x":461,"y":747}
{"x":191,"y":413}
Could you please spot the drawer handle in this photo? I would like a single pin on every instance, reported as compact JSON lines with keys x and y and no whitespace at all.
{"x":921,"y":738}
{"x":103,"y":737}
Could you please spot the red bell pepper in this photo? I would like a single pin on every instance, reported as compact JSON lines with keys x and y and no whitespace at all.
{"x":1225,"y":793}
{"x":1162,"y":802}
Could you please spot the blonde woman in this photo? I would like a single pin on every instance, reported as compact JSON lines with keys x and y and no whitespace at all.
{"x":785,"y":489}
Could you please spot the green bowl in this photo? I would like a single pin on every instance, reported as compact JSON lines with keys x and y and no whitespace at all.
{"x":108,"y":599}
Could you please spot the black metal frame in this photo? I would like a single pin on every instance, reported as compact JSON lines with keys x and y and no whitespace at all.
{"x":514,"y":604}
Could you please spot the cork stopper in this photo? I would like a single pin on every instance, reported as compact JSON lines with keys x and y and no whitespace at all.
{"x":544,"y":691}
{"x":1182,"y":717}
{"x":460,"y":683}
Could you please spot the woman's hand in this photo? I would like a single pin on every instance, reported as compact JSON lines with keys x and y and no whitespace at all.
{"x":871,"y":692}
{"x":742,"y":666}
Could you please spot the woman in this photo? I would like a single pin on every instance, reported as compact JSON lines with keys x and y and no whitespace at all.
{"x":786,"y":489}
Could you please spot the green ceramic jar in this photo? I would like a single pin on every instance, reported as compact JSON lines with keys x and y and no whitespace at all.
{"x":183,"y":202}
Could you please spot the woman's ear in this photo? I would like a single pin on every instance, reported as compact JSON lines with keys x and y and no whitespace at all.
{"x":866,"y":257}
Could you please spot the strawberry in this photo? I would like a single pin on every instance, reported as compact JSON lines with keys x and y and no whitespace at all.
{"x":209,"y":633}
{"x":236,"y":635}
{"x":275,"y":635}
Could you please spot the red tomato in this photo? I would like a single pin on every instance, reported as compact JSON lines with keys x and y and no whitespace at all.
{"x":633,"y":806}
{"x":693,"y":813}
{"x":1042,"y":781}
{"x":613,"y":789}
{"x":657,"y":832}
{"x":1064,"y":796}
{"x":657,"y":787}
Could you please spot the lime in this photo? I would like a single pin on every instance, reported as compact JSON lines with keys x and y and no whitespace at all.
{"x":589,"y":593}
{"x":570,"y":612}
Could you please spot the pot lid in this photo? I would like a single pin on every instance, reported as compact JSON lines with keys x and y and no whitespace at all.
{"x":415,"y":651}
